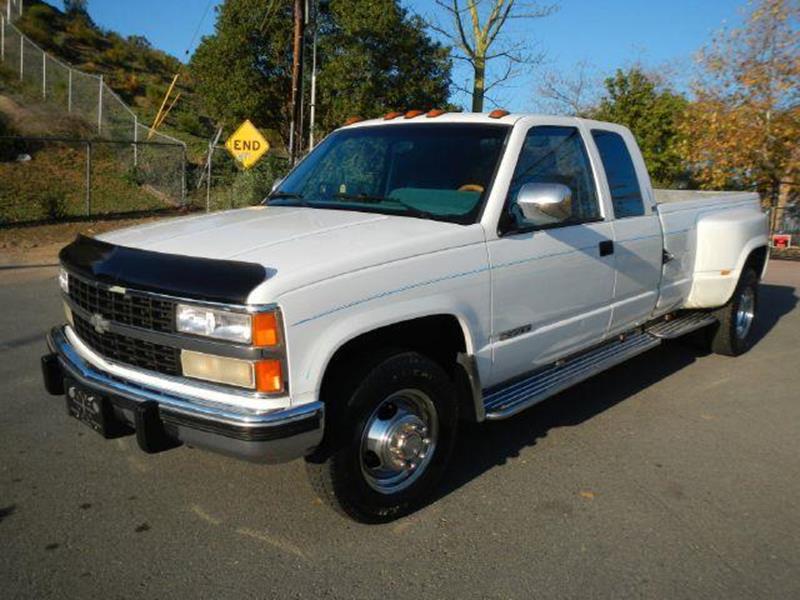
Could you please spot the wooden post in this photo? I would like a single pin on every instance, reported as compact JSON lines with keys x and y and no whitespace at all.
{"x":297,"y":75}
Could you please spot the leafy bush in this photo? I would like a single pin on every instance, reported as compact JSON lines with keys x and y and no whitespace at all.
{"x":190,"y":123}
{"x":248,"y":188}
{"x":52,"y":205}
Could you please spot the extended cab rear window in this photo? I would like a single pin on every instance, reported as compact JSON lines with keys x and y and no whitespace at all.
{"x":626,"y":195}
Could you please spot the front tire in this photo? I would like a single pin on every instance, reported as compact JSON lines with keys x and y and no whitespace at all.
{"x":391,"y":439}
{"x":734,"y":333}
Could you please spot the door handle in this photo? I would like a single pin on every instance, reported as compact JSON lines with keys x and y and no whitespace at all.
{"x":606,"y":247}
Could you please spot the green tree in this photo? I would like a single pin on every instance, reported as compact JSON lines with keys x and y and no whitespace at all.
{"x":373,"y":57}
{"x":633,"y":98}
{"x":76,"y":6}
{"x":243,"y":70}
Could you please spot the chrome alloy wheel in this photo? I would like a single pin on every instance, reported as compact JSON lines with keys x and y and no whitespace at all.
{"x":745,"y":312}
{"x":398,"y":441}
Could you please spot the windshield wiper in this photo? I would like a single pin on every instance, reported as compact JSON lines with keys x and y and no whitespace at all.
{"x":287,"y":196}
{"x":411,"y":210}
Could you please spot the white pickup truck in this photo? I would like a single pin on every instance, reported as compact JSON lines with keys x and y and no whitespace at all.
{"x":410,"y":273}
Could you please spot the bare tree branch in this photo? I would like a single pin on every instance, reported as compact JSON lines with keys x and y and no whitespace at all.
{"x":477,"y":29}
{"x":570,"y":95}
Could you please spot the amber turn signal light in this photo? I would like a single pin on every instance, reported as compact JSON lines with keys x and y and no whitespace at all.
{"x":265,"y":329}
{"x":269,"y":376}
{"x":498,"y":113}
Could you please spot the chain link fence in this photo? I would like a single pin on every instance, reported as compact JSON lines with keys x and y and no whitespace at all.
{"x":51,"y":179}
{"x":222,"y":184}
{"x":88,"y":97}
{"x":84,"y":95}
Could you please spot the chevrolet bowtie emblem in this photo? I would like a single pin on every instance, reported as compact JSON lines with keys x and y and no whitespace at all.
{"x":100,"y":323}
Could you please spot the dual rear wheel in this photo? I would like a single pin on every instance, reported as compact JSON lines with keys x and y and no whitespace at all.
{"x":733,"y":334}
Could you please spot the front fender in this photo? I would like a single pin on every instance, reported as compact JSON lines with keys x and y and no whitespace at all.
{"x":321,"y":318}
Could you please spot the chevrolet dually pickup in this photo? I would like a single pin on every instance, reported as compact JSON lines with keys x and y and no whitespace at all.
{"x":409,"y":274}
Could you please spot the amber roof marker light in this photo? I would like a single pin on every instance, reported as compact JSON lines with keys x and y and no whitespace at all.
{"x":392,"y":115}
{"x":414,"y":113}
{"x":498,"y":113}
{"x":436,"y":112}
{"x":353,"y":121}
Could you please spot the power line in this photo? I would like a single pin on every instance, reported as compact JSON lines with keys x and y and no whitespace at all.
{"x":199,"y":25}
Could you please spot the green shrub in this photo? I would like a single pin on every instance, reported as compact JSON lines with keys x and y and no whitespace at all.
{"x":190,"y":122}
{"x":53,"y":205}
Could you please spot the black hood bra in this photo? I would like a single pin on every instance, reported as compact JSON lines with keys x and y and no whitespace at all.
{"x":190,"y":277}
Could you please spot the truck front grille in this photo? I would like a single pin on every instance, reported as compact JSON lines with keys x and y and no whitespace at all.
{"x":128,"y":309}
{"x":131,"y":351}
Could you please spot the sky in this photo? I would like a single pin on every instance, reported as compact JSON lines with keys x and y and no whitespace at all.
{"x":609,"y":34}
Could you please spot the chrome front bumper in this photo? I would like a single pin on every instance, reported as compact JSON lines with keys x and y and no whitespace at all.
{"x":271,"y":436}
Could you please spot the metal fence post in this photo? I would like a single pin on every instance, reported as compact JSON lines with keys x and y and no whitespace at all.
{"x":44,"y":76}
{"x":183,"y":177}
{"x":100,"y":108}
{"x":135,"y":141}
{"x":21,"y":53}
{"x":88,"y":178}
{"x":69,"y":90}
{"x":2,"y":38}
{"x":208,"y":177}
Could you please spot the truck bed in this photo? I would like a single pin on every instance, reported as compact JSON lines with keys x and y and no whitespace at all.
{"x":679,"y":200}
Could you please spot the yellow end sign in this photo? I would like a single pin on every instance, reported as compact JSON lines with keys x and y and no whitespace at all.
{"x":247,"y":144}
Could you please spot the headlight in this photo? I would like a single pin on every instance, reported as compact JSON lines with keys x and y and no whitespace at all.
{"x":63,"y":280}
{"x":234,"y":327}
{"x":259,"y":329}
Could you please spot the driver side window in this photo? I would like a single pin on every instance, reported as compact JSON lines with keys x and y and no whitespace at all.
{"x":554,"y":155}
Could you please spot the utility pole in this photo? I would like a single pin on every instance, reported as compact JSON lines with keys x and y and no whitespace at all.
{"x":297,"y":76}
{"x":313,"y":101}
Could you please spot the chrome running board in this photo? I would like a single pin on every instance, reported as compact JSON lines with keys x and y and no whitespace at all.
{"x":669,"y":329}
{"x":513,"y":398}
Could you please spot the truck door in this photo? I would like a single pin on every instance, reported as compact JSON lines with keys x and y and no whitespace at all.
{"x":638,"y":239}
{"x":552,"y":279}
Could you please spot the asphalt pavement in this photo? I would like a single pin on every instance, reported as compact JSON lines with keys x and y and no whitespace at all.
{"x":675,"y":475}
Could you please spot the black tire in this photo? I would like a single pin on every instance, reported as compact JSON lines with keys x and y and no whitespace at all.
{"x":340,"y":472}
{"x":729,"y":337}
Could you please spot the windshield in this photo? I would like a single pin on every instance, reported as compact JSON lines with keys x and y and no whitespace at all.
{"x":435,"y":171}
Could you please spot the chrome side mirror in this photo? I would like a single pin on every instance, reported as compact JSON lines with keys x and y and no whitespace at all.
{"x":545,"y":203}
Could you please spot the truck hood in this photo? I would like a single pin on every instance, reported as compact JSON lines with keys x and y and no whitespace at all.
{"x":300,"y":246}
